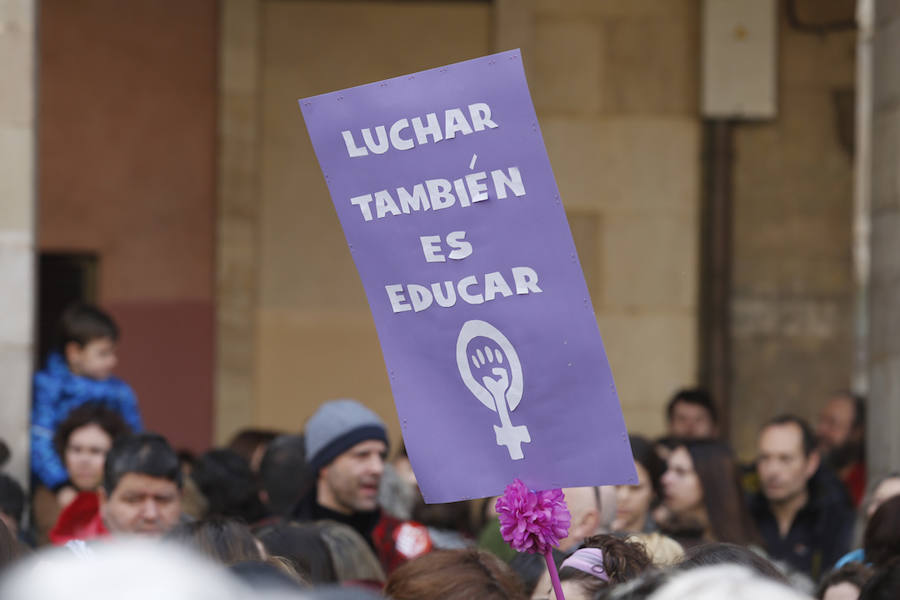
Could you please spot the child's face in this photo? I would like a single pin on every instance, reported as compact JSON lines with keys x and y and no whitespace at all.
{"x":96,"y":359}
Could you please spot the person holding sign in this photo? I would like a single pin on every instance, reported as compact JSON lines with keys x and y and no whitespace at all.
{"x":346,"y":444}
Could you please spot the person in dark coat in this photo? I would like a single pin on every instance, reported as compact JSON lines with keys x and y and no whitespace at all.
{"x":802,"y":510}
{"x":346,"y":444}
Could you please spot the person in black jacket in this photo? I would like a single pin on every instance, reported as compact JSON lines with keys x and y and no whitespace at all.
{"x":346,"y":444}
{"x":802,"y":511}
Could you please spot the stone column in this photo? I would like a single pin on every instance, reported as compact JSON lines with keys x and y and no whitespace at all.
{"x":238,"y":216}
{"x":17,"y":210}
{"x":884,"y":291}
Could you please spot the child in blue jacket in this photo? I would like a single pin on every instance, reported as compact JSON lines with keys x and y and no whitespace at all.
{"x":81,"y":373}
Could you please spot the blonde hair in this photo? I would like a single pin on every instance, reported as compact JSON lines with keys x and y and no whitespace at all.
{"x":663,"y":550}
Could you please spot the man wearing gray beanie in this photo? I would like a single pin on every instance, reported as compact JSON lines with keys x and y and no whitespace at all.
{"x":338,"y":426}
{"x":346,"y":444}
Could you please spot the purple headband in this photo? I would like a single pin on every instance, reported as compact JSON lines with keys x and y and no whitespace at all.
{"x":588,"y":560}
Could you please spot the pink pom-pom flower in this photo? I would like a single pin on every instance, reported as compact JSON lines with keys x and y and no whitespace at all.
{"x":532,"y":521}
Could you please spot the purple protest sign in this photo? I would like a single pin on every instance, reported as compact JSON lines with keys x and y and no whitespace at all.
{"x":445,"y":193}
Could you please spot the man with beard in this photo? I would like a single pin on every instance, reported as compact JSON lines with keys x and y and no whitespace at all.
{"x":841,"y":438}
{"x":346,"y":444}
{"x":802,"y":511}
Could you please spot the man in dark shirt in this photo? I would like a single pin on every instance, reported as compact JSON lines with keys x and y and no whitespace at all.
{"x":691,"y":414}
{"x":346,"y":444}
{"x":802,"y":511}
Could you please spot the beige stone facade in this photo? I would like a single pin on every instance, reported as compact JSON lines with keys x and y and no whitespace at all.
{"x":623,"y":140}
{"x":237,"y":240}
{"x":792,"y":287}
{"x":316,"y":339}
{"x":17,"y":202}
{"x":884,"y":296}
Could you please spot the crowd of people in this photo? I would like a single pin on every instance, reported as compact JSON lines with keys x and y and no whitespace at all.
{"x":332,"y":511}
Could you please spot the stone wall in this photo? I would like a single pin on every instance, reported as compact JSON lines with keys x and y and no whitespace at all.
{"x":237,"y":218}
{"x":618,"y":115}
{"x":315,"y":338}
{"x":884,"y":293}
{"x":17,"y":196}
{"x":792,"y":303}
{"x":620,"y":119}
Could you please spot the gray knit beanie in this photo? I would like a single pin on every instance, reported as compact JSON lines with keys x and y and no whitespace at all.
{"x":336,"y":427}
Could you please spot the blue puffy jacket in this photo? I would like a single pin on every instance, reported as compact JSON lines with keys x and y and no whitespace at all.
{"x":56,"y":392}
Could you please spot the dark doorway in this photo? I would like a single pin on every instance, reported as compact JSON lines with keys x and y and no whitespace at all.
{"x":63,"y":278}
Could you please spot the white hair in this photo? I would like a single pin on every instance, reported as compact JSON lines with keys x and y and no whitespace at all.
{"x":733,"y":582}
{"x":120,"y":570}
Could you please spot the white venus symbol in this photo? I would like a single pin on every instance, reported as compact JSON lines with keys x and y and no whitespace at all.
{"x":491,"y":370}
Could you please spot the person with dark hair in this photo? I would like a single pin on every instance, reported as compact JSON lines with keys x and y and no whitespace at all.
{"x":12,"y":503}
{"x":719,"y":553}
{"x":141,"y":492}
{"x":532,"y":569}
{"x":692,"y":414}
{"x":841,"y":432}
{"x":251,"y":444}
{"x":229,"y":486}
{"x":601,"y":562}
{"x":284,"y":475}
{"x":634,"y":503}
{"x":4,"y":453}
{"x":882,"y":490}
{"x":449,"y":524}
{"x":10,"y":549}
{"x":881,"y":540}
{"x":82,"y":442}
{"x":225,"y":541}
{"x":346,"y":445}
{"x":845,"y":583}
{"x":703,"y":497}
{"x":884,"y":584}
{"x":454,"y":575}
{"x":802,"y":511}
{"x":664,"y":446}
{"x":79,"y":372}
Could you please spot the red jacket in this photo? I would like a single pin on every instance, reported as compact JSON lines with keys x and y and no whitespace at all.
{"x":80,"y":520}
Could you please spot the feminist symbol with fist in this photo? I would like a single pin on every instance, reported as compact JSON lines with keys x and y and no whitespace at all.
{"x":490,"y":368}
